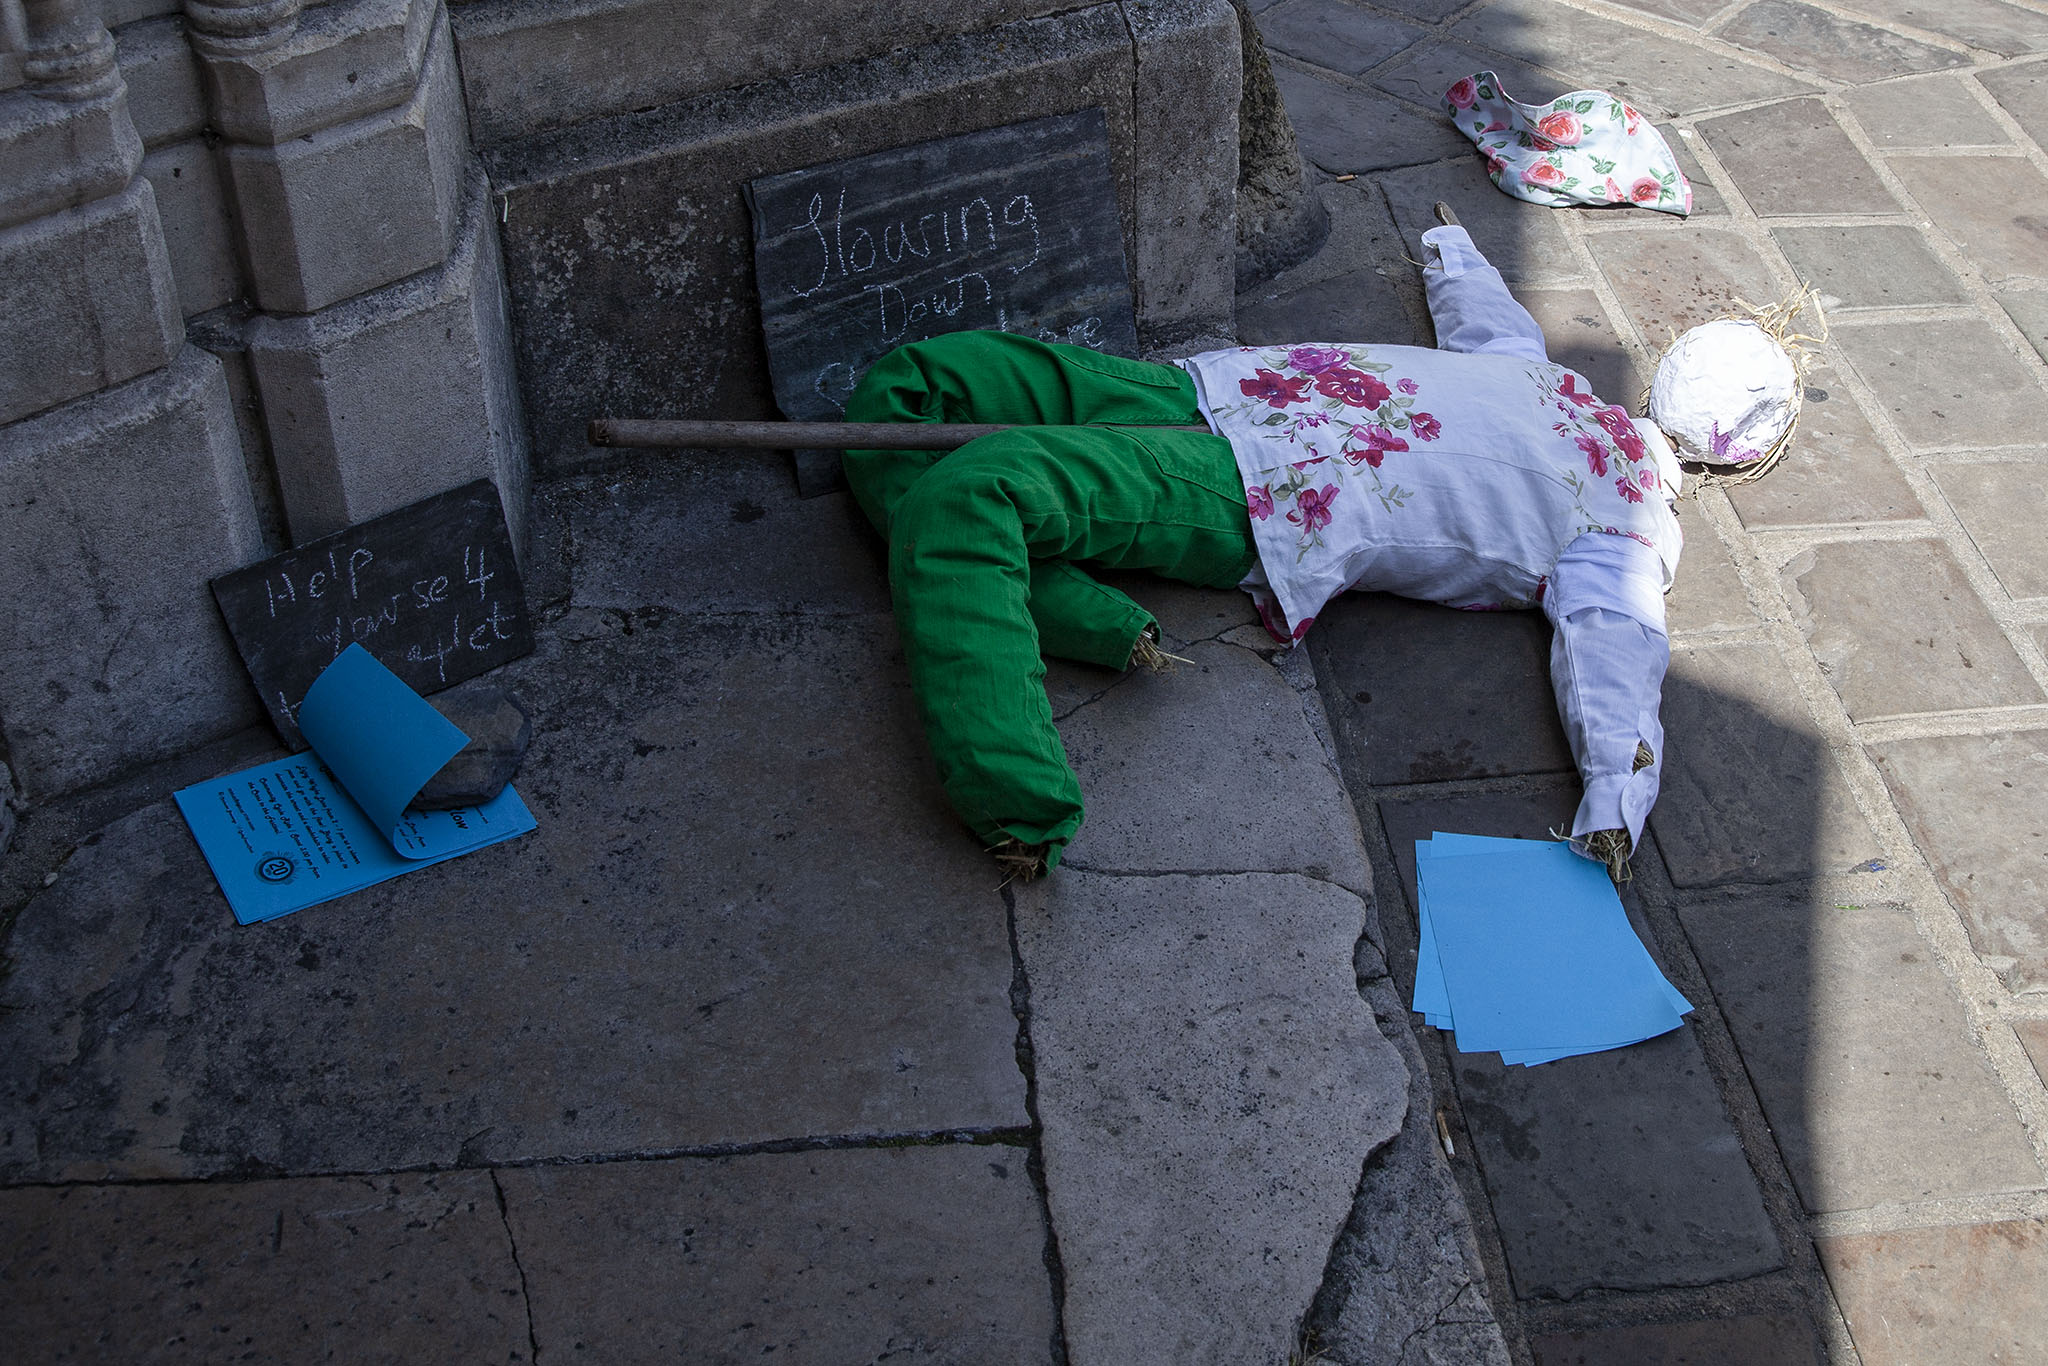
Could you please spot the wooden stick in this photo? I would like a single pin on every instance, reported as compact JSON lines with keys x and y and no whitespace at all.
{"x":776,"y":436}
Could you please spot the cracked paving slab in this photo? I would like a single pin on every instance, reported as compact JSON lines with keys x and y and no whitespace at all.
{"x":673,"y":960}
{"x":384,"y":1269}
{"x":1209,"y":1086}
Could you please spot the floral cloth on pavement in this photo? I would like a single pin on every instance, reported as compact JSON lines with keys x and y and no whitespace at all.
{"x":1445,"y":476}
{"x":1587,"y":147}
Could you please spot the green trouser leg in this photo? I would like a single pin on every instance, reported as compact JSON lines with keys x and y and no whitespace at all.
{"x":1001,"y":378}
{"x":966,"y":528}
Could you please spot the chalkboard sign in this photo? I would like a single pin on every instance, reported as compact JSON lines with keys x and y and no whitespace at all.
{"x":431,"y":590}
{"x":1012,"y":229}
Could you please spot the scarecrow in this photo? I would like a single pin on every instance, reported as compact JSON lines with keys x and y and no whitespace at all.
{"x":1478,"y":474}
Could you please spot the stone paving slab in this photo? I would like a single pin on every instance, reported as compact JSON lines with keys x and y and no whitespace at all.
{"x":1947,"y":384}
{"x":2033,"y":1035}
{"x":1331,"y":34}
{"x":1836,"y":472}
{"x":1436,"y":694}
{"x":1793,"y":158}
{"x":1931,"y":112}
{"x":2003,"y":507}
{"x":1882,"y":266}
{"x":1349,"y":130}
{"x":2005,"y":29}
{"x":1973,"y":805}
{"x":1751,"y":793}
{"x":386,"y":1269}
{"x":1617,"y":1170}
{"x":2022,"y":91}
{"x":1360,"y":304}
{"x":1210,"y":767}
{"x":2029,"y":313}
{"x":1692,"y":12}
{"x":618,"y":981}
{"x":1669,"y":282}
{"x":1859,"y":1051}
{"x":1527,"y":249}
{"x":1944,"y":1296}
{"x":1837,"y":48}
{"x":711,"y":536}
{"x":1209,"y":1084}
{"x":1424,"y":73}
{"x":1897,"y":630}
{"x":1661,"y":76}
{"x":1751,"y":1339}
{"x":932,"y":1253}
{"x":1997,"y":233}
{"x":1708,"y":594}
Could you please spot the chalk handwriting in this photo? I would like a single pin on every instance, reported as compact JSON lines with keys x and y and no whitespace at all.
{"x":847,"y":249}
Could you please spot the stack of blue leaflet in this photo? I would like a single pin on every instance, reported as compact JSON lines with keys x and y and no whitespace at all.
{"x":1525,"y":950}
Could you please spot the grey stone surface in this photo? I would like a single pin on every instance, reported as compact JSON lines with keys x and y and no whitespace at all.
{"x":1617,"y":1171}
{"x":1997,"y":233}
{"x":1753,"y":1339}
{"x":1708,"y":594}
{"x":1837,"y":48}
{"x":1947,"y":384}
{"x":702,"y":534}
{"x":2003,"y":508}
{"x":1427,"y":70}
{"x":1209,"y":1084}
{"x":383,"y":1269}
{"x":62,"y":153}
{"x":1329,"y":33}
{"x":1527,"y":248}
{"x":1405,"y":1281}
{"x":1362,"y":305}
{"x":165,"y":97}
{"x":1972,"y":804}
{"x":1350,"y":129}
{"x":818,"y":1258}
{"x":86,"y":301}
{"x":1212,"y":767}
{"x":1669,"y":282}
{"x":1577,"y":332}
{"x":341,"y":62}
{"x":1836,"y":470}
{"x":1898,"y":630}
{"x":2001,"y":28}
{"x":1434,"y":694}
{"x":1660,"y":76}
{"x":1934,"y":111}
{"x":1870,"y":267}
{"x":673,"y":960}
{"x":192,"y":206}
{"x":1280,"y":217}
{"x":1529,"y":812}
{"x":1690,"y":12}
{"x":531,"y":65}
{"x":2022,"y":91}
{"x":1751,"y":793}
{"x":114,"y":511}
{"x":2033,"y":1034}
{"x":1185,"y":93}
{"x":355,"y":206}
{"x":1875,"y":1089}
{"x":2029,"y":313}
{"x":1943,"y":1296}
{"x":1793,"y":157}
{"x":378,"y":402}
{"x":590,"y":213}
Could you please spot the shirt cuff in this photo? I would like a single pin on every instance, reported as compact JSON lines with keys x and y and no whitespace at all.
{"x":1452,"y":246}
{"x":1617,"y":801}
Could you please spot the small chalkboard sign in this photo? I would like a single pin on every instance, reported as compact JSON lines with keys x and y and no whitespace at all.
{"x":431,"y":590}
{"x":1012,"y":229}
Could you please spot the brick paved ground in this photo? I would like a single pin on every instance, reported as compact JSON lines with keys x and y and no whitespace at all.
{"x":1842,"y":1157}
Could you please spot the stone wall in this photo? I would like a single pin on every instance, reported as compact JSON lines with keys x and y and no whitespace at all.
{"x":269,"y":268}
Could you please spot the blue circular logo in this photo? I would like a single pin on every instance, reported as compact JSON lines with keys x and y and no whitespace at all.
{"x":275,"y":868}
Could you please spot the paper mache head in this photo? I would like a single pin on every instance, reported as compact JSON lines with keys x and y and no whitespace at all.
{"x":1727,"y":393}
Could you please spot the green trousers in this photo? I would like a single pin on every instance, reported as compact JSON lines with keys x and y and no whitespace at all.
{"x":988,"y":543}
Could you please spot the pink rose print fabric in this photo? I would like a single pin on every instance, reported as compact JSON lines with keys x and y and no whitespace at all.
{"x":1587,"y":147}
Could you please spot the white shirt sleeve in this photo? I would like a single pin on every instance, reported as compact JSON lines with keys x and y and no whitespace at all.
{"x":1470,"y":303}
{"x":1608,"y":655}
